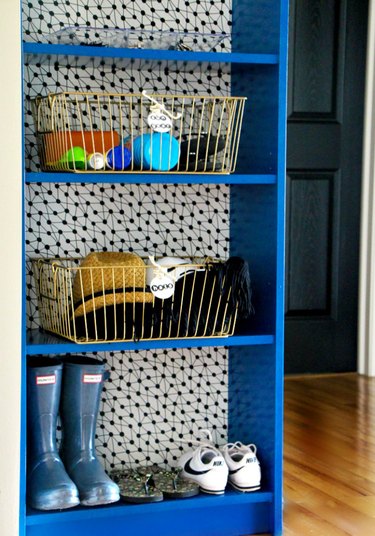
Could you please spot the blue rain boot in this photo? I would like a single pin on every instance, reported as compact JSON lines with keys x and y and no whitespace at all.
{"x":48,"y":485}
{"x":82,"y":385}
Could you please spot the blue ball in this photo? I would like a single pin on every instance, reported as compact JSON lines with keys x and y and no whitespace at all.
{"x":118,"y":158}
{"x":156,"y":151}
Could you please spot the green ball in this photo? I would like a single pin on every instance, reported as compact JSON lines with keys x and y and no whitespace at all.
{"x":75,"y":158}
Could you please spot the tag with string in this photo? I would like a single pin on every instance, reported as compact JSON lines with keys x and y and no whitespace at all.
{"x":159,"y":119}
{"x":161,"y":285}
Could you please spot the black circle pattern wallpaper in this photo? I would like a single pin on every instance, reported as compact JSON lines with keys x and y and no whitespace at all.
{"x":72,"y":220}
{"x":44,"y":17}
{"x":153,"y":399}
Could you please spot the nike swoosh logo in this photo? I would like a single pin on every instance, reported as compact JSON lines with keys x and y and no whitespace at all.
{"x":235,"y":470}
{"x":191,"y":471}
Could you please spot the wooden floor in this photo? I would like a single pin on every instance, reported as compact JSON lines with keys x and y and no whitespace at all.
{"x":329,"y":462}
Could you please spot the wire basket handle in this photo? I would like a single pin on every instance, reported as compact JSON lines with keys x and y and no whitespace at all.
{"x":37,"y":111}
{"x":54,"y":267}
{"x":158,"y":106}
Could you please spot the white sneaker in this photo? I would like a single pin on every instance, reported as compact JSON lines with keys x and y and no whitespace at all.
{"x":205,"y":466}
{"x":243,"y":465}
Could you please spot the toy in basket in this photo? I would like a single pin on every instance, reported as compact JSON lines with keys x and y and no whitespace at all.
{"x":119,"y":133}
{"x":116,"y":296}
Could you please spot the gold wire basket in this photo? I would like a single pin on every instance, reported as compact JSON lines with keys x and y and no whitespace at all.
{"x":120,"y":133}
{"x":118,"y":297}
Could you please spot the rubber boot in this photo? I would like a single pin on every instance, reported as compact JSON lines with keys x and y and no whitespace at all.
{"x":48,"y":485}
{"x":82,"y":385}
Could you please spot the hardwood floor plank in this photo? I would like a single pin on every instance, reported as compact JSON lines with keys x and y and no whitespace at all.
{"x":337,"y":485}
{"x":329,"y":456}
{"x":301,"y":521}
{"x":335,"y":452}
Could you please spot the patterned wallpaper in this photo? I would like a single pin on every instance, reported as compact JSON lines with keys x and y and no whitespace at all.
{"x":43,"y":17}
{"x":153,"y":398}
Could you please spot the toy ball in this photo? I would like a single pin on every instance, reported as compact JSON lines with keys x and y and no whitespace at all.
{"x":95,"y":161}
{"x":156,"y":151}
{"x":118,"y":158}
{"x":75,"y":158}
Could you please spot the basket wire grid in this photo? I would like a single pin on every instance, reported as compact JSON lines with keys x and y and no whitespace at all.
{"x":95,"y":304}
{"x":86,"y":132}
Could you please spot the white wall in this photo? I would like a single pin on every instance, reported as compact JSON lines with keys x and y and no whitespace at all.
{"x":10,"y":263}
{"x":366,"y":332}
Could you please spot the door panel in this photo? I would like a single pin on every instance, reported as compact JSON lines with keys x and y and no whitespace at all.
{"x":309,"y":254}
{"x":312,"y":147}
{"x":314,"y":58}
{"x":325,"y":121}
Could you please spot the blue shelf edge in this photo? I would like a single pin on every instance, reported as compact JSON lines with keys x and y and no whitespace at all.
{"x":35,"y":517}
{"x":142,"y":178}
{"x":44,"y":49}
{"x":38,"y":342}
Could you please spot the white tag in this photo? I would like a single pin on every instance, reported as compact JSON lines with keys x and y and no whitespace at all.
{"x":92,"y":378}
{"x":162,"y":287}
{"x":46,"y":380}
{"x":158,"y":121}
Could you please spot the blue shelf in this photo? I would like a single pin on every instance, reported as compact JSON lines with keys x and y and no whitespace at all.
{"x":255,"y":356}
{"x":147,"y":178}
{"x":38,"y":342}
{"x":228,"y":515}
{"x":39,"y":52}
{"x":120,"y":509}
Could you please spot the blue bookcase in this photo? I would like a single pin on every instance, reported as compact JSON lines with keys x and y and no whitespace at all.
{"x":257,"y":65}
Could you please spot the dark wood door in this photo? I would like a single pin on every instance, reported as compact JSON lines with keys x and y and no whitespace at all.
{"x":325,"y":121}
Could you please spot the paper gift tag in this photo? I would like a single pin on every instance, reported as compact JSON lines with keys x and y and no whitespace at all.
{"x":162,"y":287}
{"x":158,"y":121}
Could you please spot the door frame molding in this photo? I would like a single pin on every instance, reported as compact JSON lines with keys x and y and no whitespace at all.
{"x":11,"y":209}
{"x":366,"y":309}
